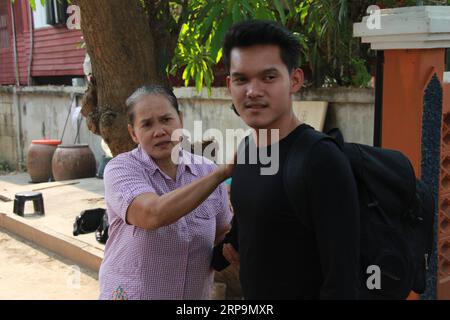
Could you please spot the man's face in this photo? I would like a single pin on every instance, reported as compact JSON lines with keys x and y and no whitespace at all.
{"x":155,"y":119}
{"x":261,"y":85}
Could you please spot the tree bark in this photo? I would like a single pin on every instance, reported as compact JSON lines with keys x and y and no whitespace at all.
{"x":164,"y":28}
{"x":121,"y":47}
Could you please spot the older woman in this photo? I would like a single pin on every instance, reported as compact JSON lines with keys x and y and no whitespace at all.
{"x":166,"y":209}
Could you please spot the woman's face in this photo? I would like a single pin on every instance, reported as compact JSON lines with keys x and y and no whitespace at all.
{"x":155,"y":119}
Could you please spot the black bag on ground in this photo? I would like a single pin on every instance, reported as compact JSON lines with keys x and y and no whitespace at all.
{"x":88,"y":221}
{"x":396,"y":212}
{"x":101,"y":234}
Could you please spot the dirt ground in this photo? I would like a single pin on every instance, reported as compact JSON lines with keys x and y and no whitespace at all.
{"x":29,"y":272}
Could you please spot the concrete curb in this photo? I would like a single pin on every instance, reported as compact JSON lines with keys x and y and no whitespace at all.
{"x":78,"y":251}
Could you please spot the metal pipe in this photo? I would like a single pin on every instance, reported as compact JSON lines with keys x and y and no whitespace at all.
{"x":16,"y":65}
{"x":20,"y":152}
{"x":30,"y":17}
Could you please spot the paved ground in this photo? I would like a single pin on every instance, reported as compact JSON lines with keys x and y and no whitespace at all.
{"x":29,"y":272}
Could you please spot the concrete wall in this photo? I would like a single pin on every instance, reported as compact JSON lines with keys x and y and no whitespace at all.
{"x":8,"y":132}
{"x":34,"y":113}
{"x":350,"y":109}
{"x":43,"y":112}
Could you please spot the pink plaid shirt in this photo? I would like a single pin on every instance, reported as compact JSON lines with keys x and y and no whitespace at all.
{"x":172,"y":262}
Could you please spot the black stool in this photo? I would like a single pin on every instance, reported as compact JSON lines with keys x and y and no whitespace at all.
{"x":22,"y":197}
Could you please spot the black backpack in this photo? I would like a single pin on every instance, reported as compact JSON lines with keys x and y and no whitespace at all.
{"x":396,"y":212}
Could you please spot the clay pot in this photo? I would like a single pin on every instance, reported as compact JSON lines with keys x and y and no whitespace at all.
{"x":39,"y":159}
{"x":73,"y":162}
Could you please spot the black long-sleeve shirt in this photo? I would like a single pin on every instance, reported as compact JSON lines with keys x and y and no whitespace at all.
{"x":282,"y":257}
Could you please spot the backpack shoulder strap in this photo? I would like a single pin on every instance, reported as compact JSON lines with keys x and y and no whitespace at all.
{"x":294,"y":172}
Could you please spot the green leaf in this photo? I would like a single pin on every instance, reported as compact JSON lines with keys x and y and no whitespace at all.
{"x":32,"y":4}
{"x":342,"y":10}
{"x":192,"y":73}
{"x":263,"y":13}
{"x":199,"y":79}
{"x":280,"y":10}
{"x":323,"y":29}
{"x":303,"y":14}
{"x":311,"y":27}
{"x":248,"y":7}
{"x":204,"y":11}
{"x":184,"y":30}
{"x":207,"y":78}
{"x":361,"y":76}
{"x":204,"y":65}
{"x":172,"y":70}
{"x":186,"y":74}
{"x":219,"y":35}
{"x":219,"y":56}
{"x":206,"y":26}
{"x":237,"y":14}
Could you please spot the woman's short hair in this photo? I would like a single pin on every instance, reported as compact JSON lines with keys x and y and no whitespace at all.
{"x":146,"y":90}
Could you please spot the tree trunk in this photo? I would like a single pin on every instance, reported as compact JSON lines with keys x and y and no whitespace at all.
{"x":121,"y":47}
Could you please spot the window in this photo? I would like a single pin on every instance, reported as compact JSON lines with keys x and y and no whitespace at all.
{"x":39,"y":16}
{"x":4,"y":32}
{"x":53,"y":12}
{"x":56,"y":11}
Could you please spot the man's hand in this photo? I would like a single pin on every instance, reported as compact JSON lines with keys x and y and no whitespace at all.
{"x":231,"y":254}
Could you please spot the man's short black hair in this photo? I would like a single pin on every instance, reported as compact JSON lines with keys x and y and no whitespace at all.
{"x":261,"y":32}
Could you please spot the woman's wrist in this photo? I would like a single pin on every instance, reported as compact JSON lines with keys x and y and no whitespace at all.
{"x":221,"y":173}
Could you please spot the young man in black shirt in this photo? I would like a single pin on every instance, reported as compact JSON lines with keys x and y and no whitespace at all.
{"x":280,"y":256}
